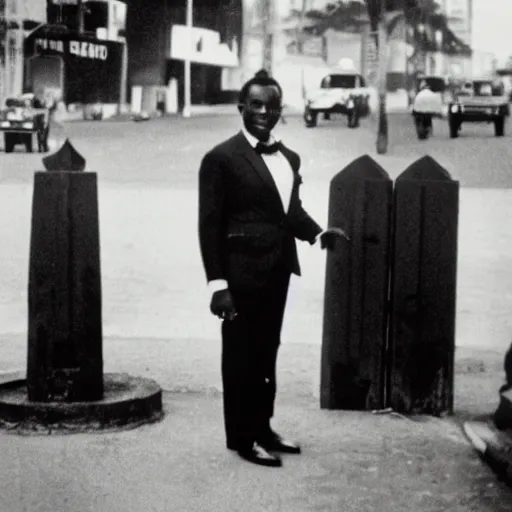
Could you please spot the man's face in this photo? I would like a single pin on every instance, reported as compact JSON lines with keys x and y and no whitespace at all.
{"x":261,"y":110}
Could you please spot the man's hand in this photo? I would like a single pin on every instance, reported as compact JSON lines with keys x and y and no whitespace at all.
{"x":329,"y":236}
{"x":222,"y":305}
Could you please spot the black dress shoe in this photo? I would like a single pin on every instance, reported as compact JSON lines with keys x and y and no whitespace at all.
{"x":274,"y":442}
{"x":258,"y":455}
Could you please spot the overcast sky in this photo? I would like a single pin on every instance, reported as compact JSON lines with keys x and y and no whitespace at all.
{"x":492,"y":25}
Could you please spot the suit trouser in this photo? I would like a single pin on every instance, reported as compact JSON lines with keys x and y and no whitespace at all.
{"x":249,"y":351}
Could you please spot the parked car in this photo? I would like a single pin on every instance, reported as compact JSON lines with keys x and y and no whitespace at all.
{"x":480,"y":101}
{"x":342,"y":93}
{"x":21,"y":119}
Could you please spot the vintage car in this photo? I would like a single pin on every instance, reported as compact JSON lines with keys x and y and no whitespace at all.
{"x":21,"y":119}
{"x":481,"y":101}
{"x":339,"y":93}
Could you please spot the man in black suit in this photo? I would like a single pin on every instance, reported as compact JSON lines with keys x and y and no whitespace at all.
{"x":250,"y":214}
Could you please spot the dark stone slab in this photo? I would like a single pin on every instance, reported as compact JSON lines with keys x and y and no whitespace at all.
{"x":356,"y":288}
{"x":127,"y":401}
{"x":423,"y":290}
{"x":64,"y":295}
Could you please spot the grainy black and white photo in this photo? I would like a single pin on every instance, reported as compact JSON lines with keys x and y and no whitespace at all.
{"x":255,"y":255}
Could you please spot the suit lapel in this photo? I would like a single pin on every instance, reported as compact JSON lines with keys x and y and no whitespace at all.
{"x":289,"y":156}
{"x":248,"y":152}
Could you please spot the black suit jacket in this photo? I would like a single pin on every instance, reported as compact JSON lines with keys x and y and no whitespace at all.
{"x":244,"y":232}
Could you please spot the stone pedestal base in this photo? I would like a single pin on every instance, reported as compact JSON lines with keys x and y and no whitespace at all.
{"x":127,"y":402}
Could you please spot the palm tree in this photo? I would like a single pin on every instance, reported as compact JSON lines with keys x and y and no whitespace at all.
{"x":3,"y":28}
{"x":340,"y":15}
{"x":414,"y":12}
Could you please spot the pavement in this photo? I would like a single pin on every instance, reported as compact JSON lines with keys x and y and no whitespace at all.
{"x":156,"y":324}
{"x":351,"y":461}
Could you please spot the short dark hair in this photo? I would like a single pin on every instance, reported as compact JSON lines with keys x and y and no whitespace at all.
{"x":260,"y":78}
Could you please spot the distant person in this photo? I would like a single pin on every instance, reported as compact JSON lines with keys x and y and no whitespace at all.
{"x":38,"y":102}
{"x":250,"y":216}
{"x":427,"y":101}
{"x":485,"y":90}
{"x":467,"y":89}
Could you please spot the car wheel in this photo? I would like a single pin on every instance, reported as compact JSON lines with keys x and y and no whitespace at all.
{"x":28,"y":142}
{"x":8,"y":143}
{"x":454,"y":129}
{"x":499,"y":127}
{"x":422,"y":131}
{"x":310,"y":118}
{"x":353,"y":119}
{"x":364,"y":110}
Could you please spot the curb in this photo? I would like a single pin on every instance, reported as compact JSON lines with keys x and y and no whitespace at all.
{"x":126,"y":401}
{"x":208,"y":111}
{"x":494,"y":451}
{"x":11,"y":374}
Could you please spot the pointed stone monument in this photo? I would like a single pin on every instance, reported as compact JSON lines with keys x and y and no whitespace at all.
{"x":67,"y":158}
{"x":65,"y":385}
{"x":64,"y":313}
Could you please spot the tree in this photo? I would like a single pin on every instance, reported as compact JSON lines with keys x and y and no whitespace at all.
{"x":343,"y":16}
{"x":3,"y":32}
{"x":377,"y":13}
{"x":414,"y":12}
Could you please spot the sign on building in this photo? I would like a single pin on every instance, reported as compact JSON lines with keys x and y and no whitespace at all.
{"x":91,"y":67}
{"x":202,"y":46}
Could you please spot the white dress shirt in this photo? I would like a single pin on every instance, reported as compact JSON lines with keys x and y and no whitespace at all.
{"x":279,"y":168}
{"x":282,"y":174}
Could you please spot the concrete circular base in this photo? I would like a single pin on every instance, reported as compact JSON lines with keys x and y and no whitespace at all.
{"x":127,"y":403}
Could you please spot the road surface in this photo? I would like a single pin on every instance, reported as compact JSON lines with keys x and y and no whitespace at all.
{"x":153,"y":283}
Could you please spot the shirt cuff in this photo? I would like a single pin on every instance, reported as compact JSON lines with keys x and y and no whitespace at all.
{"x":217,"y":284}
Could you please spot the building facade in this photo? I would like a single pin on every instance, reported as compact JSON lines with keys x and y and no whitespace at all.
{"x":79,"y":55}
{"x":158,"y":46}
{"x":21,"y":18}
{"x":459,"y":14}
{"x":225,"y":48}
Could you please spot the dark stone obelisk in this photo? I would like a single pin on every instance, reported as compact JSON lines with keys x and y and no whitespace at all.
{"x":65,"y":361}
{"x":356,"y":289}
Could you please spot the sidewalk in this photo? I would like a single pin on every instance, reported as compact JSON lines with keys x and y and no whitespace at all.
{"x":396,"y":103}
{"x":351,"y":461}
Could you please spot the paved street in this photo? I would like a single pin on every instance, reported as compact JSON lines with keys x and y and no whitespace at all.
{"x":153,"y":282}
{"x":156,"y":324}
{"x":351,"y":463}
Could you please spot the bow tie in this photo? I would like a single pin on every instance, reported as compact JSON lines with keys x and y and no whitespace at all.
{"x":267,"y":149}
